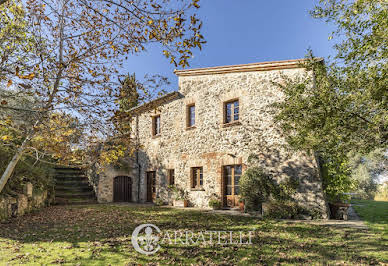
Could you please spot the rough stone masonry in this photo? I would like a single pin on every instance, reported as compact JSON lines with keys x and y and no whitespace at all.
{"x":212,"y":143}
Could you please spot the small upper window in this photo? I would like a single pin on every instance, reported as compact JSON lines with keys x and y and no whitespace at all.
{"x":171,"y":177}
{"x":191,"y":115}
{"x":156,"y":125}
{"x":196,"y":177}
{"x":232,"y":111}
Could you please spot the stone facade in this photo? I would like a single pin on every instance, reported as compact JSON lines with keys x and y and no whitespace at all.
{"x":212,"y":144}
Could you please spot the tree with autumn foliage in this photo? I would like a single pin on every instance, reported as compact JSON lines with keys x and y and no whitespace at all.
{"x":76,"y":52}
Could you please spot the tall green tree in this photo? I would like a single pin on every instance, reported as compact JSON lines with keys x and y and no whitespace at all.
{"x":129,"y":92}
{"x":340,"y":106}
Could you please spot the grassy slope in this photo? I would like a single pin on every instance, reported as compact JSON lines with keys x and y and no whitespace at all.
{"x":375,"y":214}
{"x":100,"y":235}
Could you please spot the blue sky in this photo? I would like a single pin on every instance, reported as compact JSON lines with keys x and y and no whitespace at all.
{"x":245,"y":31}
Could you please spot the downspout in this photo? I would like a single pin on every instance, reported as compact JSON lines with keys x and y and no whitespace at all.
{"x":137,"y":159}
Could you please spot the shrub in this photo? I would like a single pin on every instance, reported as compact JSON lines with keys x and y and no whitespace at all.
{"x":290,"y":210}
{"x":256,"y":187}
{"x":286,"y":189}
{"x":159,"y":202}
{"x":282,"y":210}
{"x":215,"y":204}
{"x":315,"y":213}
{"x":178,"y":193}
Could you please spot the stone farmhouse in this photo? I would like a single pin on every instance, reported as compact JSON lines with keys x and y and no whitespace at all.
{"x":200,"y":138}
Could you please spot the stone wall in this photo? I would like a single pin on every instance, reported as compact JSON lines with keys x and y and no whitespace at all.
{"x":211,"y":144}
{"x":20,"y":204}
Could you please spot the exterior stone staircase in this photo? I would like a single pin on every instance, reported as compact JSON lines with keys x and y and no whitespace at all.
{"x":72,"y":187}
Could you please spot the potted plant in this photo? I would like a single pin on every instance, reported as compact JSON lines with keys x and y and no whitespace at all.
{"x":179,"y":197}
{"x":241,"y":205}
{"x":215,"y":204}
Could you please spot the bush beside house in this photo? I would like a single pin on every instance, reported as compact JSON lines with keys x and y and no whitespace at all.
{"x":261,"y":193}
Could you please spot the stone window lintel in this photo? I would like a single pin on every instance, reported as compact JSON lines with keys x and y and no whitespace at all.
{"x":156,"y":136}
{"x":233,"y":123}
{"x":190,"y":128}
{"x":197,"y":189}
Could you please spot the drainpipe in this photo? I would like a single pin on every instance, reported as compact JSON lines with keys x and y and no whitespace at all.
{"x":137,"y":159}
{"x":138,"y":177}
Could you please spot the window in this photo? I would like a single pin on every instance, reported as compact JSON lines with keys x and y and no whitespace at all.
{"x":171,"y":177}
{"x":191,"y":115}
{"x":231,"y":111}
{"x":156,"y":125}
{"x":196,"y":177}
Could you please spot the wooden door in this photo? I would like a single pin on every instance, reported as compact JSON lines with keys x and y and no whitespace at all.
{"x":151,"y":186}
{"x":232,"y":174}
{"x":122,"y":189}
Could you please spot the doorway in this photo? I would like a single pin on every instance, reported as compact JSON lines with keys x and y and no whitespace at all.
{"x":231,"y":179}
{"x":122,"y":189}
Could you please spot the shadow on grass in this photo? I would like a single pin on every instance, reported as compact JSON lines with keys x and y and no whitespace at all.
{"x":101,"y":234}
{"x":372,"y":211}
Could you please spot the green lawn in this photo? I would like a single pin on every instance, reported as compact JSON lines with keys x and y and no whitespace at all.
{"x":101,"y":235}
{"x":375,"y":214}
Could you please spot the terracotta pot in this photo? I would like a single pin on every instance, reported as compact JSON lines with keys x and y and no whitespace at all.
{"x":242,"y":206}
{"x":180,"y":203}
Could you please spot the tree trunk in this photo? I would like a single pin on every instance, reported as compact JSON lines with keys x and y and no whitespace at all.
{"x":12,"y":164}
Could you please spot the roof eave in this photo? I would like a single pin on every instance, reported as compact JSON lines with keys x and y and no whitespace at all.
{"x":154,"y":103}
{"x":263,"y":66}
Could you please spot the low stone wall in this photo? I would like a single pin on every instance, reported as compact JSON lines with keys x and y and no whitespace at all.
{"x":13,"y":206}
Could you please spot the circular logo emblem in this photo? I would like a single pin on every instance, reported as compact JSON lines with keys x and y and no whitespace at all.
{"x":145,"y":239}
